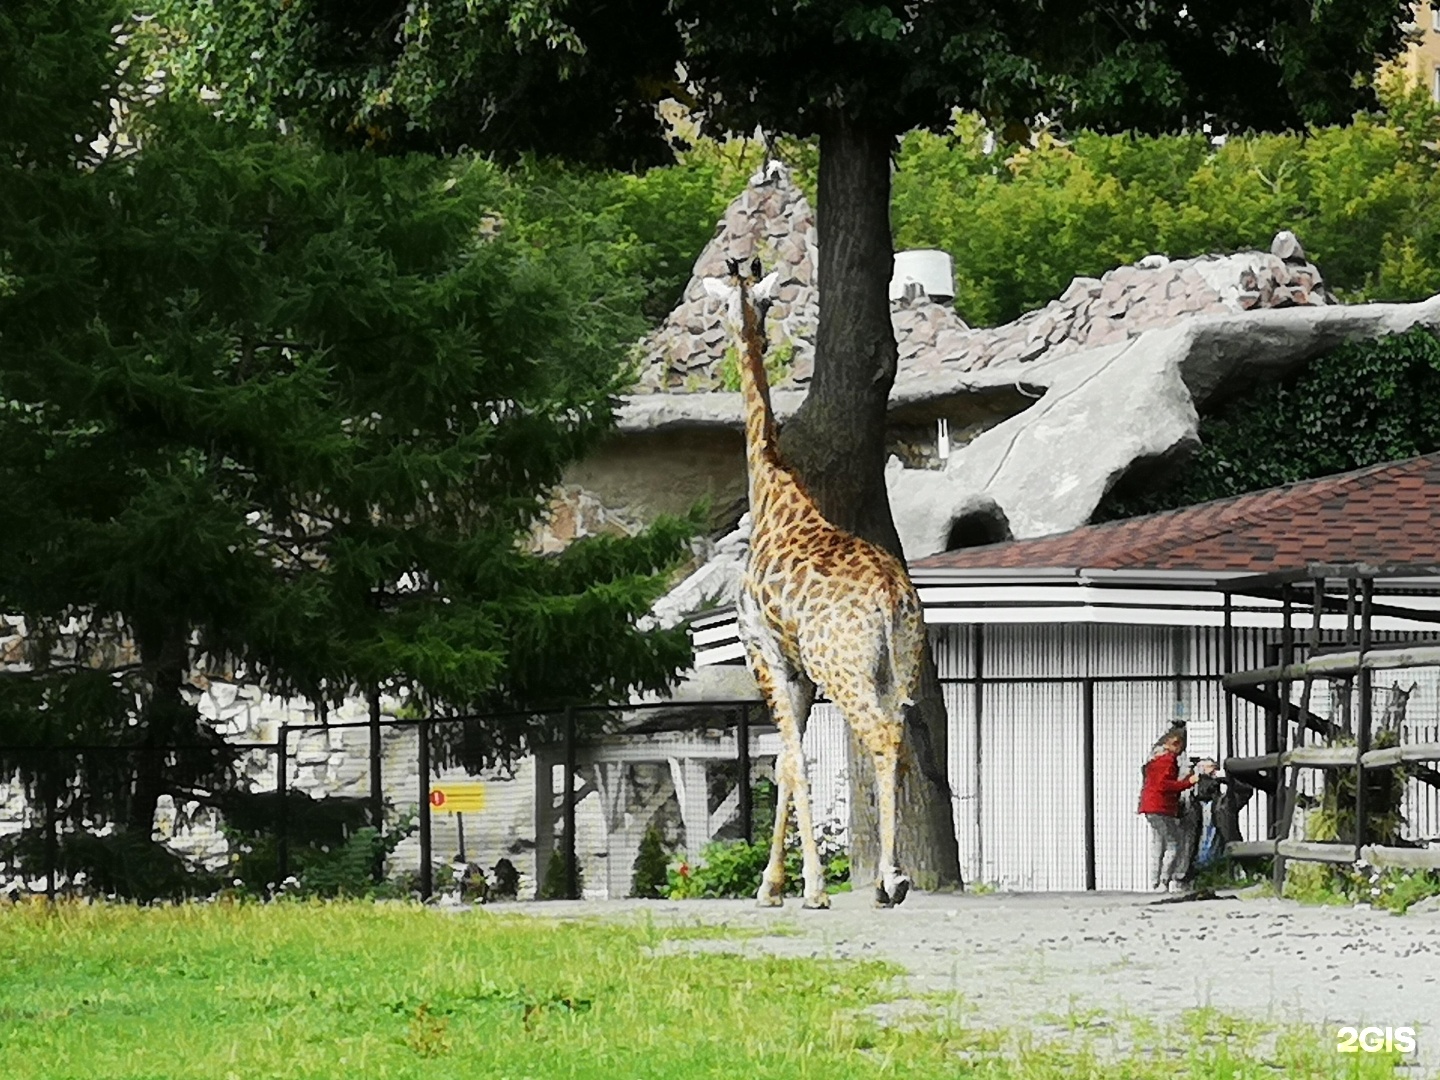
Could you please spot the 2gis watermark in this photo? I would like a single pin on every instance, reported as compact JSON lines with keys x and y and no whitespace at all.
{"x":1375,"y":1040}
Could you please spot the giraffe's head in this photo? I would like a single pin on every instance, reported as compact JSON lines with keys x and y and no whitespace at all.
{"x":741,"y":286}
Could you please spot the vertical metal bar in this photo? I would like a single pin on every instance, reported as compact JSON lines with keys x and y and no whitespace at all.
{"x":427,"y":882}
{"x":1228,"y":664}
{"x":1314,"y":642}
{"x":1350,"y":611}
{"x":1287,"y":657}
{"x":460,"y":837}
{"x":52,"y":839}
{"x":1088,"y":738}
{"x":742,"y":754}
{"x":1272,"y":655}
{"x":977,"y":668}
{"x":1362,"y":733}
{"x":377,"y":789}
{"x":572,"y":878}
{"x":282,"y":810}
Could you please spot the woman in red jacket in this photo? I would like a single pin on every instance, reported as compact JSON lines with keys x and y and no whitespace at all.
{"x":1160,"y":803}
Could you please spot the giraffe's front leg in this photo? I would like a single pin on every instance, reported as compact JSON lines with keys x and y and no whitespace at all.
{"x":772,"y":881}
{"x":812,"y":870}
{"x":789,"y":695}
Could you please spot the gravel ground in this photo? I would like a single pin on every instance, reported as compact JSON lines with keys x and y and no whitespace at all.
{"x":1017,"y":957}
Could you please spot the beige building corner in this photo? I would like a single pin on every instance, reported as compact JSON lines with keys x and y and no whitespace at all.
{"x":1421,"y":61}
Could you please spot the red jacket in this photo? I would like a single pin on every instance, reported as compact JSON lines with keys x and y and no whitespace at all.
{"x":1160,"y":793}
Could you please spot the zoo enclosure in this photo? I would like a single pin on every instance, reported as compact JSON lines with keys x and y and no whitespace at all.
{"x":1302,"y":741}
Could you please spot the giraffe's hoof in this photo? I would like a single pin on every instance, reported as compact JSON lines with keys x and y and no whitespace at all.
{"x":899,"y":892}
{"x":768,"y":897}
{"x":818,"y":903}
{"x":895,"y":895}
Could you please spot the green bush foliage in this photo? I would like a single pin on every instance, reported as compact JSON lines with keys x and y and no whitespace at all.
{"x":1021,"y":221}
{"x":552,"y":885}
{"x":121,"y":864}
{"x":734,"y":868}
{"x":319,"y":867}
{"x":1393,"y":888}
{"x":649,"y":880}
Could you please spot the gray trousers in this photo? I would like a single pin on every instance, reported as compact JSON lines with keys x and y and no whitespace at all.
{"x":1167,"y":849}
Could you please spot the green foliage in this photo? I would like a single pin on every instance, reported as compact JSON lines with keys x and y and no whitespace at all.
{"x":1362,"y":404}
{"x":552,"y":885}
{"x":291,"y":411}
{"x":120,"y":864}
{"x":1358,"y":196}
{"x":1392,"y":889}
{"x":648,"y":879}
{"x":778,"y":362}
{"x":735,"y":868}
{"x":321,"y":865}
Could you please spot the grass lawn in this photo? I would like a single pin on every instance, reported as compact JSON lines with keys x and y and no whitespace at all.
{"x":360,"y":991}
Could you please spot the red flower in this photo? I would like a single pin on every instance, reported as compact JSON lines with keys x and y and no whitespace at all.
{"x":684,"y":869}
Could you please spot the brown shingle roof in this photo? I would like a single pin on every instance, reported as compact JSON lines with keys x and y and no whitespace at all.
{"x":1382,"y":514}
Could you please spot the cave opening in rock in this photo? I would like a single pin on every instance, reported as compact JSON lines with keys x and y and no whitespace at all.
{"x":975,"y":528}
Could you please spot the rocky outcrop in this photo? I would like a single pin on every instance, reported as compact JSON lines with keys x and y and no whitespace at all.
{"x":1098,"y":414}
{"x":771,"y":218}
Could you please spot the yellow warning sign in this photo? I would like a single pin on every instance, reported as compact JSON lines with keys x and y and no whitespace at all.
{"x":457,"y":798}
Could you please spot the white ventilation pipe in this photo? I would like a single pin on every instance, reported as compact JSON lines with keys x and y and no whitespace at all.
{"x":930,"y":269}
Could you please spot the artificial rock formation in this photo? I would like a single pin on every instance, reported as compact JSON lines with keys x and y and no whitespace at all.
{"x":1040,"y":417}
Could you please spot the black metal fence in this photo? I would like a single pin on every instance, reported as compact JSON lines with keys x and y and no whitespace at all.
{"x":732,"y":716}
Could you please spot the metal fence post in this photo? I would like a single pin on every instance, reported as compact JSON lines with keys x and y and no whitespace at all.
{"x":977,"y":669}
{"x":742,"y":754}
{"x":282,"y":810}
{"x":572,"y":877}
{"x":1228,"y":663}
{"x":1088,"y":718}
{"x":427,"y":883}
{"x":377,"y":791}
{"x":52,"y":841}
{"x":1362,"y":730}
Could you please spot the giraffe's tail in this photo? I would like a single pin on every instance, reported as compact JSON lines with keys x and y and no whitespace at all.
{"x":904,"y":643}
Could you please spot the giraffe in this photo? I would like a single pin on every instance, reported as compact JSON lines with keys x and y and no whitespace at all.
{"x":819,"y":609}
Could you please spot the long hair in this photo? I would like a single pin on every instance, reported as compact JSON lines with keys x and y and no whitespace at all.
{"x":1177,"y":730}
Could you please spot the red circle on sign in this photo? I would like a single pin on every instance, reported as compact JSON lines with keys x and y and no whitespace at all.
{"x":437,"y":798}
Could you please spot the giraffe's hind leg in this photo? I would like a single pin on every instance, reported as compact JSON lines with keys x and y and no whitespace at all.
{"x":790,"y":696}
{"x":891,"y":886}
{"x":879,"y":729}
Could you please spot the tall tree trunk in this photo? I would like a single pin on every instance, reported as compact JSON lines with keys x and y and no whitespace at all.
{"x":837,"y":444}
{"x":164,"y":657}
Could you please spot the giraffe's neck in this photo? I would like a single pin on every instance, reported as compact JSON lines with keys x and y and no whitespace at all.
{"x":762,"y":435}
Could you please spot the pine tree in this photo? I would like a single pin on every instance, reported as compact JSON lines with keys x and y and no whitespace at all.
{"x":283,"y":413}
{"x":648,"y":874}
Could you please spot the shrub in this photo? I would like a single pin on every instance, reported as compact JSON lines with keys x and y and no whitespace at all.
{"x":320,"y":869}
{"x":1391,"y":888}
{"x":552,"y":886}
{"x":735,"y":868}
{"x":648,"y":879}
{"x":120,"y":863}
